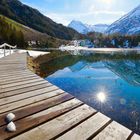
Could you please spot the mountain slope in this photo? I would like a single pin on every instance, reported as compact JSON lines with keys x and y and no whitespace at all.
{"x":128,"y":24}
{"x":32,"y":18}
{"x":78,"y":26}
{"x":10,"y":32}
{"x":85,"y":28}
{"x":29,"y":34}
{"x":100,"y":28}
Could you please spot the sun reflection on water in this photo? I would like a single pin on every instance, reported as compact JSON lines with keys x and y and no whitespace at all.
{"x":101,"y":96}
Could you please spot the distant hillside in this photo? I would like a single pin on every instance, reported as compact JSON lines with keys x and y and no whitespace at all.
{"x":32,"y":18}
{"x":28,"y":33}
{"x":11,"y":34}
{"x":9,"y":28}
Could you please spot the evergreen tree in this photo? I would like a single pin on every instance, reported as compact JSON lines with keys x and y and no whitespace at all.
{"x":10,"y":34}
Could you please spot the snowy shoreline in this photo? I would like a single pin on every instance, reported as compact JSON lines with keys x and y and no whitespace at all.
{"x":78,"y":48}
{"x":67,"y":48}
{"x":31,"y":53}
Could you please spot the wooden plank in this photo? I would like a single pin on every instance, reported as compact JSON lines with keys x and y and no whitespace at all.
{"x":135,"y":137}
{"x":114,"y":131}
{"x":15,"y":79}
{"x":22,"y":86}
{"x":37,"y":107}
{"x":20,"y":80}
{"x":14,"y":58}
{"x":13,"y":69}
{"x":17,"y":73}
{"x":12,"y":66}
{"x":25,"y":95}
{"x":58,"y":125}
{"x":20,"y":75}
{"x":12,"y":63}
{"x":87,"y":128}
{"x":32,"y":87}
{"x":35,"y":79}
{"x":25,"y":102}
{"x":7,"y":62}
{"x":14,"y":55}
{"x":39,"y":118}
{"x":20,"y":83}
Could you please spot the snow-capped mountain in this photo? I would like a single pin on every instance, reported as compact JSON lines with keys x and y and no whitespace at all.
{"x":101,"y":28}
{"x":78,"y":26}
{"x":128,"y":24}
{"x":85,"y":28}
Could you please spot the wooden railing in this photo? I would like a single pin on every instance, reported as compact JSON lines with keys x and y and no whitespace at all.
{"x":3,"y":47}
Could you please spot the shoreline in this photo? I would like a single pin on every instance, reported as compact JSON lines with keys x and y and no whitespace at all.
{"x":72,"y":48}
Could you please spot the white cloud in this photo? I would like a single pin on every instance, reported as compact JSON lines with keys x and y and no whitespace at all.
{"x":87,"y":11}
{"x":59,"y":18}
{"x":119,"y":13}
{"x":96,"y":5}
{"x":95,"y":17}
{"x":91,"y":12}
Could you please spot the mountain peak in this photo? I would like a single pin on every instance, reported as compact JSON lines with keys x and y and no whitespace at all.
{"x":128,"y":24}
{"x":75,"y":21}
{"x":85,"y":28}
{"x":78,"y":26}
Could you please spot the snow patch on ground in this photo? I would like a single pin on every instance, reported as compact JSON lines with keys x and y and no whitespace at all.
{"x":73,"y":48}
{"x":31,"y":53}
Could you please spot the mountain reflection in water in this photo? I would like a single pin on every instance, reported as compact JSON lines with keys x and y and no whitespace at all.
{"x":129,"y":70}
{"x":116,"y":80}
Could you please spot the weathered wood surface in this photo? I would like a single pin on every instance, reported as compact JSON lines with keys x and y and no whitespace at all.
{"x":43,"y":111}
{"x":135,"y":137}
{"x":86,"y":129}
{"x":114,"y":131}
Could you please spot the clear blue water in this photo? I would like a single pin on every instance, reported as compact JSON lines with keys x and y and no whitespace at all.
{"x":118,"y":80}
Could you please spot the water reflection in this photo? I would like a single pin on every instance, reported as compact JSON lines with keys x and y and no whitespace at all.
{"x":101,"y":96}
{"x":129,"y":70}
{"x":109,"y":83}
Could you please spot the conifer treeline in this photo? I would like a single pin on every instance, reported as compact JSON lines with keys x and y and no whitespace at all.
{"x":114,"y":40}
{"x":9,"y":34}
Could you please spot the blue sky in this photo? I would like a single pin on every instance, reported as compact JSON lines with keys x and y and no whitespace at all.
{"x":87,"y":11}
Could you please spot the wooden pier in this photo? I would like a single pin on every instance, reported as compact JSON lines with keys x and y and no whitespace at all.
{"x":43,"y":111}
